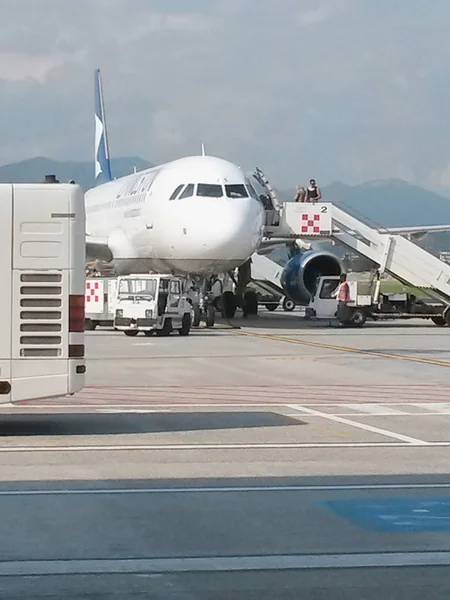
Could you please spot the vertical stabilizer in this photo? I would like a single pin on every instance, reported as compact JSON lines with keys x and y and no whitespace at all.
{"x":102,"y":160}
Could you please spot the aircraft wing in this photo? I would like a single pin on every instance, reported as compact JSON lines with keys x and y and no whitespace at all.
{"x":98,"y":249}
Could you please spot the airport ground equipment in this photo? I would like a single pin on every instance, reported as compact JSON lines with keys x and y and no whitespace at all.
{"x":392,"y":253}
{"x":42,"y":245}
{"x":100,"y":296}
{"x":152,"y":304}
{"x":363,"y":305}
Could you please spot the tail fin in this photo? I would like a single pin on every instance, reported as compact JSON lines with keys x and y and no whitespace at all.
{"x":102,"y":160}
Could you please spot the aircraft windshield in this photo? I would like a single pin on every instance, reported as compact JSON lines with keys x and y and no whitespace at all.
{"x":236,"y":191}
{"x":210,"y":190}
{"x":130,"y":288}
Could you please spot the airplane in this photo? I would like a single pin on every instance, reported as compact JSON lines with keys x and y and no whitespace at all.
{"x":199,"y":215}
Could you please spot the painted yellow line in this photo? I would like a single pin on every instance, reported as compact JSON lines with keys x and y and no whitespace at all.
{"x":301,"y":342}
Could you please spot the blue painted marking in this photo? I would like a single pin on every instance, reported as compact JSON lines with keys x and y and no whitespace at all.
{"x":394,"y":514}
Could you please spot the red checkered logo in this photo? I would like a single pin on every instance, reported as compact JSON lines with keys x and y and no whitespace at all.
{"x":92,"y":291}
{"x":310,"y":223}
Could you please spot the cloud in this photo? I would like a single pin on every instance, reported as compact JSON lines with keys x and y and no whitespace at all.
{"x":338,"y":88}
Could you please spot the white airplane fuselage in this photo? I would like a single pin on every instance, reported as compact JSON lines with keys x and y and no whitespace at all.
{"x":210,"y":228}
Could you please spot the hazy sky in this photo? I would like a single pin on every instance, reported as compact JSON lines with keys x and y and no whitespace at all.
{"x":334,"y":89}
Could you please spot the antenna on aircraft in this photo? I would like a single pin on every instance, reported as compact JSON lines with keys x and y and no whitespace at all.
{"x":203,"y":149}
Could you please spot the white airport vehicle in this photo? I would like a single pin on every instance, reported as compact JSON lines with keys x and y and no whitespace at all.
{"x":152,"y":304}
{"x":100,"y":295}
{"x":368,"y":303}
{"x":198,"y":216}
{"x":42,"y":245}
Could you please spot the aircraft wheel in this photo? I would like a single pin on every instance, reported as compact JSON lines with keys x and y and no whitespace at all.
{"x":210,"y":315}
{"x":197,"y":316}
{"x":228,"y":305}
{"x":185,"y":325}
{"x":250,"y":303}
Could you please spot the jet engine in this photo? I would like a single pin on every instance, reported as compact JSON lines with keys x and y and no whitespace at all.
{"x":299,"y":276}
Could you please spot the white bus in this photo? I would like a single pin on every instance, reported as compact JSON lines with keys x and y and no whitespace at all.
{"x":42,"y":275}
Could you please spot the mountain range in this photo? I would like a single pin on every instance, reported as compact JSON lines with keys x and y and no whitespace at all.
{"x":34,"y":170}
{"x":381,"y":202}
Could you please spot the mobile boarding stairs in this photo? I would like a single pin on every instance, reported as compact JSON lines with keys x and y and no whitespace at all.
{"x":394,"y":253}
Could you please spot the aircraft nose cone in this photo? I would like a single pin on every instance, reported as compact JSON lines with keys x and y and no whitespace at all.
{"x":238,"y":229}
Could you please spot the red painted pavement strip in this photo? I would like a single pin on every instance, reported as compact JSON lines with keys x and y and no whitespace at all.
{"x":251,"y":395}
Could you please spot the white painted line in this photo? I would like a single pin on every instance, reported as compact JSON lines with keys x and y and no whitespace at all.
{"x":369,"y":428}
{"x":115,"y":411}
{"x":228,"y":489}
{"x":224,"y":563}
{"x":381,"y":414}
{"x":443,"y":407}
{"x":374,"y":409}
{"x":202,"y":447}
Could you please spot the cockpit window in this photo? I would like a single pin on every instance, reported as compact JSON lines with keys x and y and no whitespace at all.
{"x":210,"y":190}
{"x":189,"y":191}
{"x":252,"y":190}
{"x":236,"y":191}
{"x":176,"y":192}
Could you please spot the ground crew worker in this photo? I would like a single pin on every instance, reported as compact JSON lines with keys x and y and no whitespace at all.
{"x":313,"y":193}
{"x":300,"y":196}
{"x":342,"y":293}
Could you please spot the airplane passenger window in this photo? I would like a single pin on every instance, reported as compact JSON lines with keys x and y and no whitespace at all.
{"x":210,"y":190}
{"x":176,"y":192}
{"x":189,"y":191}
{"x":236,"y":191}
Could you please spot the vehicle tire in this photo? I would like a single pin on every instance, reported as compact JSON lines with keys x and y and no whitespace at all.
{"x":89,"y":325}
{"x":228,"y":305}
{"x":148,"y":333}
{"x":250,"y":303}
{"x":271,"y":307}
{"x":131,"y":333}
{"x":197,"y":315}
{"x":185,"y":324}
{"x":359,"y":317}
{"x":446,"y":315}
{"x":210,"y":315}
{"x":439,"y":321}
{"x":166,"y":329}
{"x":288,"y":304}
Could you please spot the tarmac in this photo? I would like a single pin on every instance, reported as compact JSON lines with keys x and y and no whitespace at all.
{"x":273,"y":459}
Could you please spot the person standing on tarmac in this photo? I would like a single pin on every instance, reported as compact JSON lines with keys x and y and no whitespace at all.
{"x":313,"y":193}
{"x":342,"y":293}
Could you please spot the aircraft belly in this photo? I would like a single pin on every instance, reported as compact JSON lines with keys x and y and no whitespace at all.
{"x":178,"y":266}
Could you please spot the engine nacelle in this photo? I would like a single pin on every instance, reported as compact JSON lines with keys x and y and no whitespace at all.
{"x":299,"y":276}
